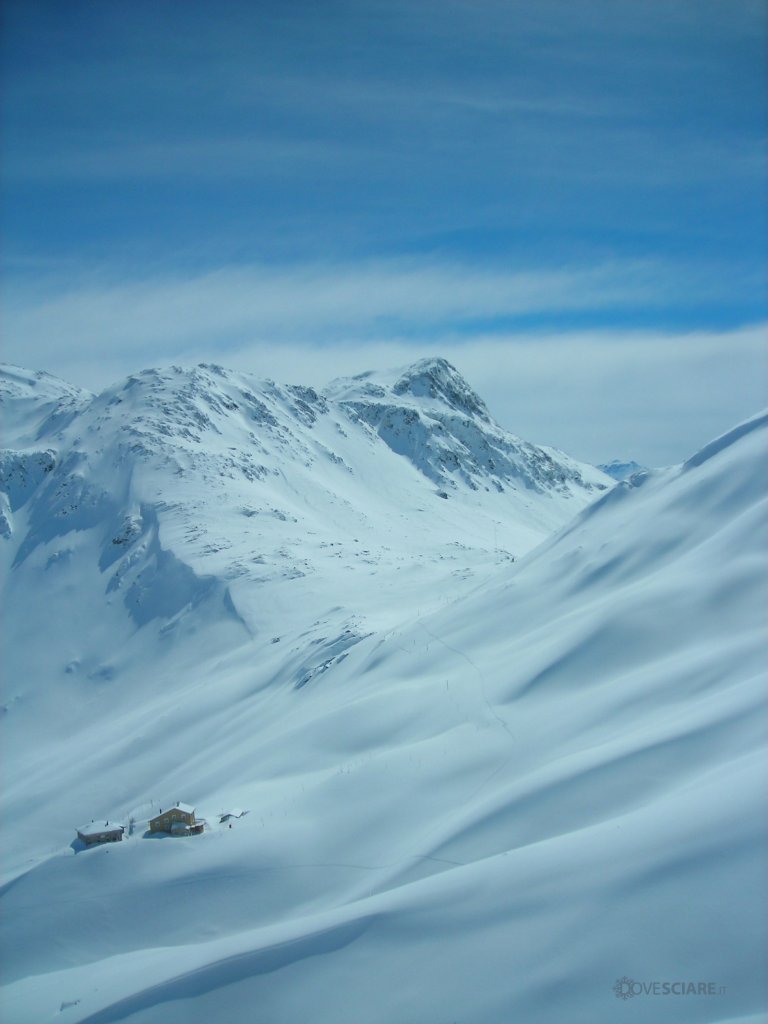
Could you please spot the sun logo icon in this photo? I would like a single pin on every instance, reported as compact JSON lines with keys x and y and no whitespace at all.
{"x":623,"y":988}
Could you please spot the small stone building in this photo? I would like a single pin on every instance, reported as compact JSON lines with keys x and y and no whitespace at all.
{"x":178,"y":820}
{"x":101,"y":832}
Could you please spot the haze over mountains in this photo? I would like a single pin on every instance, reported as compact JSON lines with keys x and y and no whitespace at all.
{"x":496,"y":721}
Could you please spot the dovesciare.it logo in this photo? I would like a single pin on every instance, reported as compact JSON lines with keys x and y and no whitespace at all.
{"x":623,"y":988}
{"x":627,"y":988}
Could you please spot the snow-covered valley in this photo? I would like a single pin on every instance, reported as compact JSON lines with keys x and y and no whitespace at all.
{"x":497,"y":723}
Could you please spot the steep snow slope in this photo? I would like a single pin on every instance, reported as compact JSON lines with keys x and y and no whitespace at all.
{"x":33,"y":404}
{"x":485,"y":811}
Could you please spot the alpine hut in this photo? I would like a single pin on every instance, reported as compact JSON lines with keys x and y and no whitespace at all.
{"x":101,"y":832}
{"x":178,"y":820}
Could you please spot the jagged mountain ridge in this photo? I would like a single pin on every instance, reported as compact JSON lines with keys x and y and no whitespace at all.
{"x":250,"y":481}
{"x":431,"y":415}
{"x":456,"y":439}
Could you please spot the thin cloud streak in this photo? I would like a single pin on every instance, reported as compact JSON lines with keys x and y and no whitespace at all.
{"x":164,"y":118}
{"x":589,"y":146}
{"x":211,"y":158}
{"x":229,"y":307}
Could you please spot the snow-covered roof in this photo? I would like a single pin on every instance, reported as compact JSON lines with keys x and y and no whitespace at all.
{"x":235,"y":812}
{"x":186,"y":808}
{"x":96,"y":828}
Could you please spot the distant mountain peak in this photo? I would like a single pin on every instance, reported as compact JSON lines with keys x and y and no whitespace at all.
{"x":429,"y":414}
{"x":621,"y":470}
{"x":17,"y":382}
{"x":435,"y":377}
{"x":33,"y":403}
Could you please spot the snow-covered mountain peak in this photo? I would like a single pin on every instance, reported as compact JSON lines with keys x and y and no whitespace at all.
{"x":428,"y":413}
{"x":436,"y":378}
{"x":34,"y":402}
{"x":206,"y":474}
{"x":18,"y":383}
{"x":431,"y":384}
{"x":621,"y":469}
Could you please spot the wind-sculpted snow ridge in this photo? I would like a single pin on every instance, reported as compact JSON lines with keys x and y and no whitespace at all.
{"x":756,"y":423}
{"x":477,"y":789}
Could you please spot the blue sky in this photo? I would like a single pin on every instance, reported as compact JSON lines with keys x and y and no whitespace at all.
{"x":567,"y":200}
